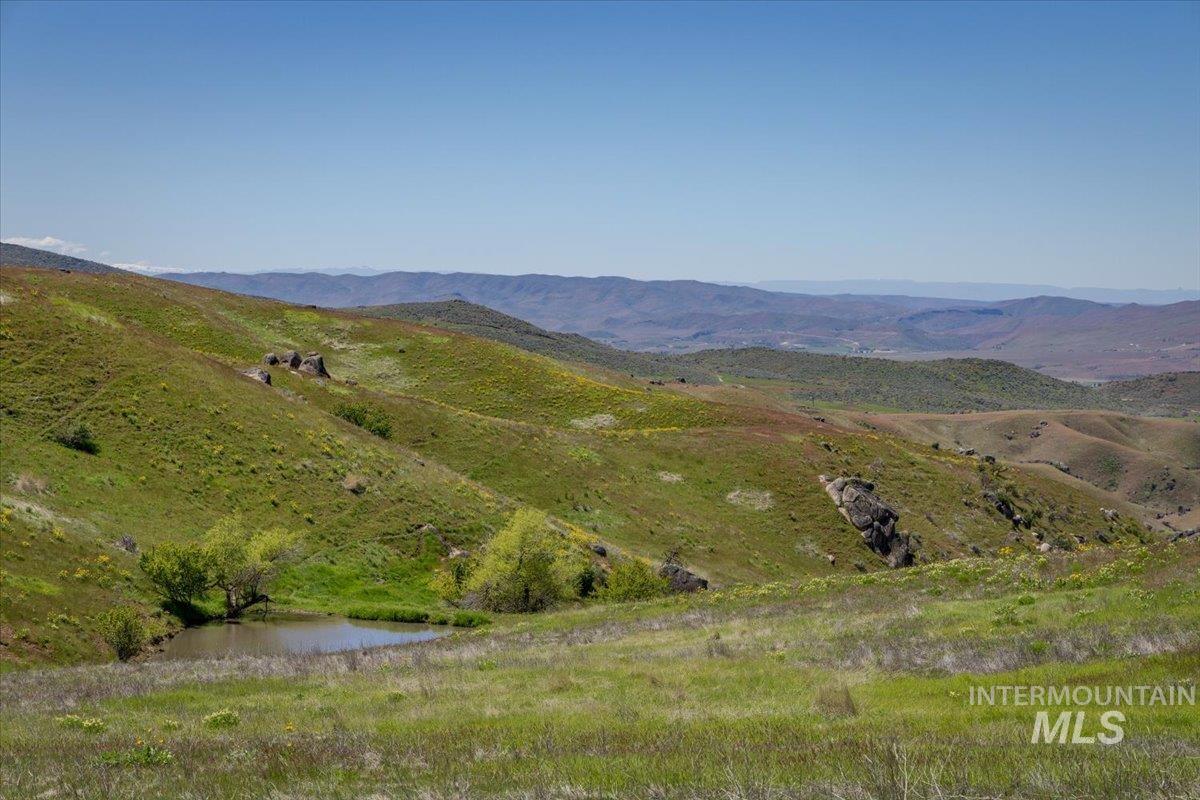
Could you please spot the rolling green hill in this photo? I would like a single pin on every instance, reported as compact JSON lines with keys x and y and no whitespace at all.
{"x":477,"y":428}
{"x":968,"y":384}
{"x":488,"y":323}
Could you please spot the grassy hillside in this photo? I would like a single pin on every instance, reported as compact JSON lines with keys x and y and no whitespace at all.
{"x":487,"y":323}
{"x":15,"y":255}
{"x":932,"y":386}
{"x":1152,"y":462}
{"x":1168,"y":394}
{"x":970,"y":384}
{"x":847,"y":686}
{"x":477,"y":428}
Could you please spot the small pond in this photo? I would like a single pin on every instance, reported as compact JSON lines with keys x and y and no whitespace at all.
{"x":280,"y":634}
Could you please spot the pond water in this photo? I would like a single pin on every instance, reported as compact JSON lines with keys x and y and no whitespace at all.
{"x":280,"y":634}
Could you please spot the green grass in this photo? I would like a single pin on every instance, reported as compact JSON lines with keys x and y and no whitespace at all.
{"x":964,"y":384}
{"x":475,"y":429}
{"x":850,"y":686}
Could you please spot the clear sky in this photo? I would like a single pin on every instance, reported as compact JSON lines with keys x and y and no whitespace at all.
{"x":1047,"y":143}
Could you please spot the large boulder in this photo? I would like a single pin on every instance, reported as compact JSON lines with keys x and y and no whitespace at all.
{"x":679,"y":578}
{"x":314,"y":364}
{"x":872,"y":517}
{"x":291,"y":359}
{"x":270,"y":359}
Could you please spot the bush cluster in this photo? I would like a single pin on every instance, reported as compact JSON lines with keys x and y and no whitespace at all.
{"x":77,"y":437}
{"x":366,"y":416}
{"x":123,"y":631}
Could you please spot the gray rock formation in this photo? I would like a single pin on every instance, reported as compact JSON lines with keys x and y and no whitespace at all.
{"x":872,"y":517}
{"x":258,"y":374}
{"x":314,"y":364}
{"x":270,"y":359}
{"x":679,"y":578}
{"x":290,"y":359}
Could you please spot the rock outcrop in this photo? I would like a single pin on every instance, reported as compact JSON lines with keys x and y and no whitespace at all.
{"x":258,"y":374}
{"x":872,"y":517}
{"x":291,"y":359}
{"x":314,"y":364}
{"x":679,"y":578}
{"x":270,"y":359}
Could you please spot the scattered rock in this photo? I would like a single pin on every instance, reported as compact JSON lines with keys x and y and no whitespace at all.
{"x":291,"y":359}
{"x":966,"y":451}
{"x":127,"y":544}
{"x":270,"y":359}
{"x":599,"y":549}
{"x":314,"y":364}
{"x":669,"y":477}
{"x":1035,"y":433}
{"x":458,"y":552}
{"x":1045,"y":547}
{"x":679,"y":578}
{"x":831,"y":557}
{"x":1110,"y":514}
{"x":1000,"y":504}
{"x":258,"y":374}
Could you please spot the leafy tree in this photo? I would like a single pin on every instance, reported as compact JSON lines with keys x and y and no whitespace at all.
{"x":632,"y":580}
{"x":527,"y":566}
{"x":242,"y":564}
{"x":123,"y":631}
{"x":178,"y":571}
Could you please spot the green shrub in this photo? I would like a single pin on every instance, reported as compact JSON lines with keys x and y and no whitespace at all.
{"x":144,"y":756}
{"x":469,"y":619}
{"x":450,"y":583}
{"x":388,"y":613}
{"x":178,"y":571}
{"x":225,"y":718}
{"x":123,"y":631}
{"x":77,"y":437}
{"x":366,"y":416}
{"x":632,"y":580}
{"x":524,"y":567}
{"x":88,"y":724}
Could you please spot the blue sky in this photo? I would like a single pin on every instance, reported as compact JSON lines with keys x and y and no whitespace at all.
{"x":1048,"y":143}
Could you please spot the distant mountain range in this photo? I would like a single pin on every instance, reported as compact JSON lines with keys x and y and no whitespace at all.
{"x":973,"y":384}
{"x":1064,"y":337}
{"x":983,"y":292}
